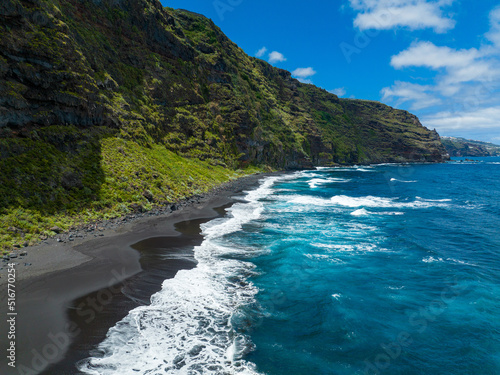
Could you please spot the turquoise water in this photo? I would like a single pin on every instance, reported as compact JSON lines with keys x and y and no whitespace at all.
{"x":389,"y":269}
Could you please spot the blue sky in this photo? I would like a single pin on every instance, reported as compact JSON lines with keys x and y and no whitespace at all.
{"x":439,"y":59}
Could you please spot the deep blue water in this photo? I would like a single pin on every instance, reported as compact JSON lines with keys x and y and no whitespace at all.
{"x":390,"y":269}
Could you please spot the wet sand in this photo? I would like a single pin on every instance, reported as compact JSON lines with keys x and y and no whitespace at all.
{"x":75,"y":291}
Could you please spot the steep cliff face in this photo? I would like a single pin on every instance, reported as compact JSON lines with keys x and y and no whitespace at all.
{"x":157,"y":75}
{"x":110,"y":105}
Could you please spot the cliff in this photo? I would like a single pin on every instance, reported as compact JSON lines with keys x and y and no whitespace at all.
{"x":458,"y":147}
{"x":108,"y":105}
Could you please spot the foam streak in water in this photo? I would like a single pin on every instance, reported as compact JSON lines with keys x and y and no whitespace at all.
{"x":316,"y":182}
{"x":368,"y":201}
{"x":407,"y":182}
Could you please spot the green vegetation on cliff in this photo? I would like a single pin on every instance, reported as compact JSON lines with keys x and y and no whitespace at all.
{"x":97,"y":97}
{"x":466,"y":147}
{"x":64,"y":176}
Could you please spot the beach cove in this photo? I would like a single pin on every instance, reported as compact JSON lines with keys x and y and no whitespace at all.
{"x":68,"y":294}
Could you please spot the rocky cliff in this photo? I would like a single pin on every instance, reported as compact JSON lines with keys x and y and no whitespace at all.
{"x":107,"y":104}
{"x":465,"y":147}
{"x":157,"y":75}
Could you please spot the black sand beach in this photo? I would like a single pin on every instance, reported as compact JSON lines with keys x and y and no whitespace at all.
{"x":68,"y":294}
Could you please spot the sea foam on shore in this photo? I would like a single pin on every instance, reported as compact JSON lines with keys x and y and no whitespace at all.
{"x":191,"y":324}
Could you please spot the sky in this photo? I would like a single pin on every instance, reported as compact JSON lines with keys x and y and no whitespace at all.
{"x":439,"y":59}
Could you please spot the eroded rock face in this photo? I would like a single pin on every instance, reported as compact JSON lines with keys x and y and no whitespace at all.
{"x":172,"y":77}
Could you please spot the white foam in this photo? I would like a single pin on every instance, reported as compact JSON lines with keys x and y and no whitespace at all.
{"x":335,"y":247}
{"x":309,"y":174}
{"x":315,"y":182}
{"x":360,"y":228}
{"x":461,"y":262}
{"x":325,"y":169}
{"x":324,"y":258}
{"x":363,"y":212}
{"x":390,"y":164}
{"x":433,"y":200}
{"x":360,"y":212}
{"x":403,"y":181}
{"x":368,"y":201}
{"x":318,"y":256}
{"x":355,"y":168}
{"x":360,"y":248}
{"x":452,"y":260}
{"x":308,"y":200}
{"x":337,"y":296}
{"x":363,"y":170}
{"x":191,"y":325}
{"x":432,"y":260}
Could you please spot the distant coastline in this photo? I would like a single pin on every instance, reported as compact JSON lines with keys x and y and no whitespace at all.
{"x":461,"y":147}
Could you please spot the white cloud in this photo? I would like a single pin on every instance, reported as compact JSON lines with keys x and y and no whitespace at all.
{"x":341,"y":91}
{"x":494,"y":34}
{"x":482,"y":118}
{"x":459,"y":66}
{"x":303,"y":72}
{"x":275,"y":57}
{"x":419,"y":95}
{"x":413,"y":14}
{"x":427,"y":54}
{"x":464,"y":97}
{"x":261,"y":52}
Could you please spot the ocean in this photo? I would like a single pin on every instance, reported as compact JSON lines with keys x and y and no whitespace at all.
{"x":386,"y":269}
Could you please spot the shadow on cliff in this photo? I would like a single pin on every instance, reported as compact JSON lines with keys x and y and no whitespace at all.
{"x":52,"y":170}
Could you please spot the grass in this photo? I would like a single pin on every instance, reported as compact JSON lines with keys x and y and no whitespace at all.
{"x":66,"y":177}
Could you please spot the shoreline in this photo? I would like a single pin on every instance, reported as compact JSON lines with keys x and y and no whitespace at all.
{"x":64,"y":269}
